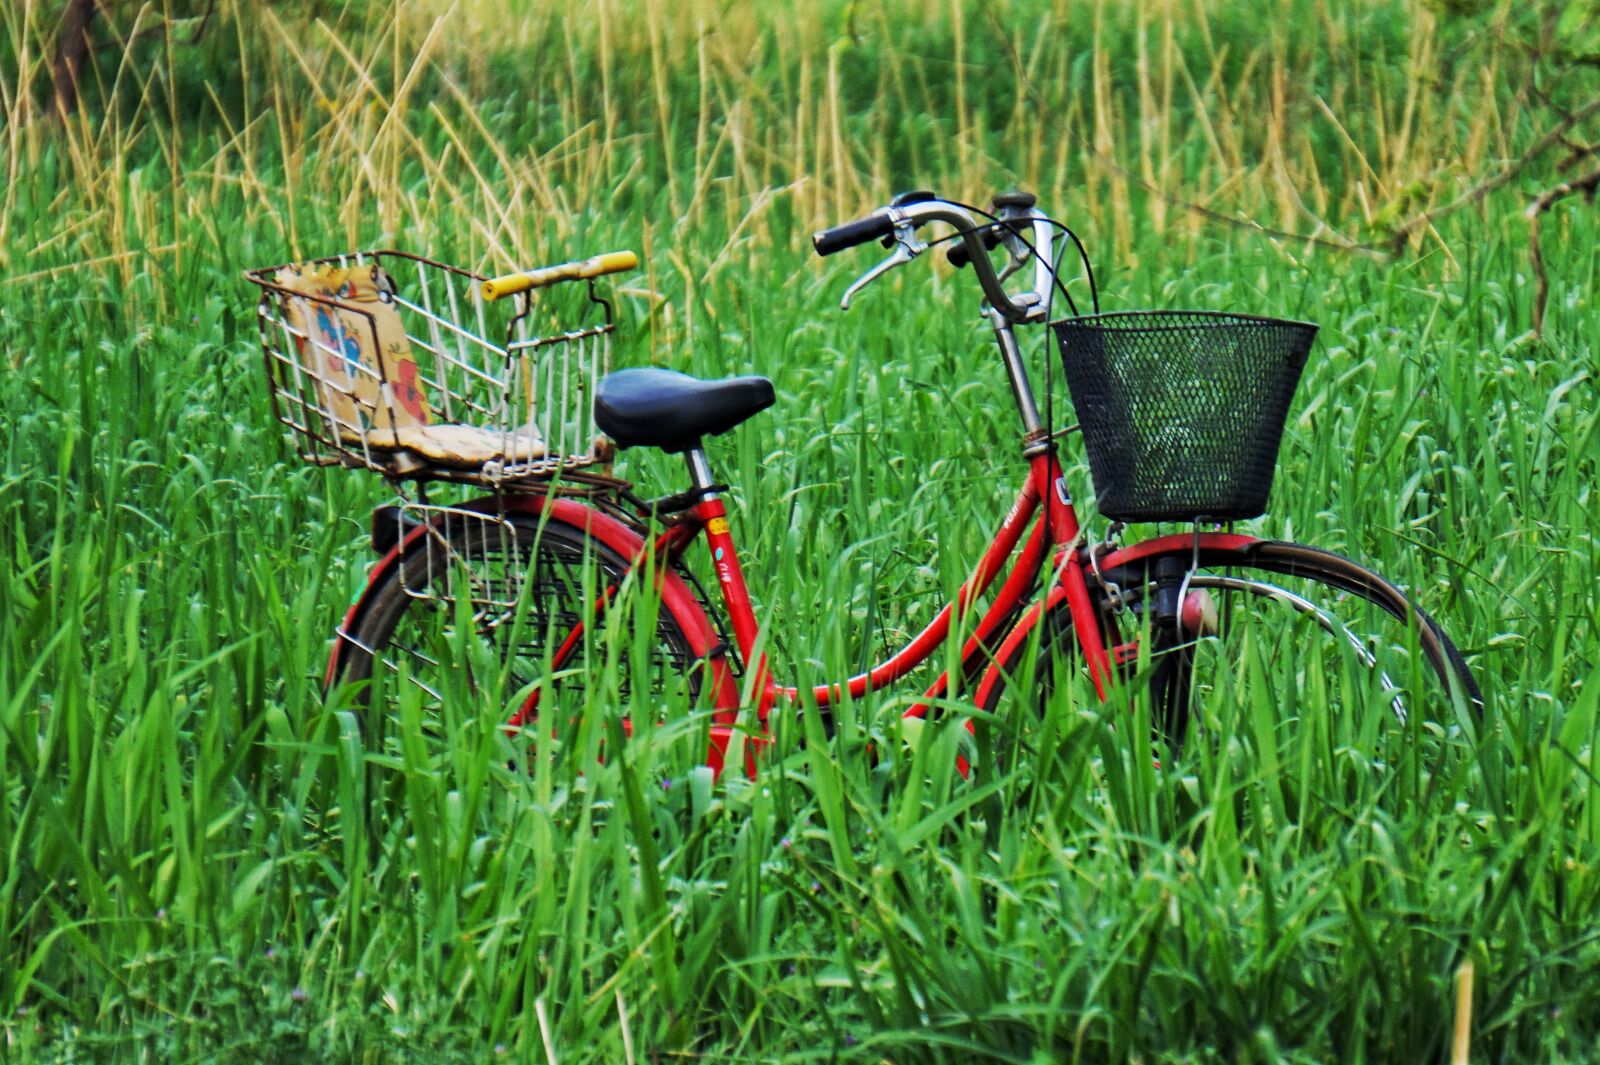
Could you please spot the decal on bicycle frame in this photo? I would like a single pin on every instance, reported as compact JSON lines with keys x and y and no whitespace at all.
{"x":1061,"y":491}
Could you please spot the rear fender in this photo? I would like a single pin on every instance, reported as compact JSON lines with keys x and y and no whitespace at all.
{"x":676,"y":596}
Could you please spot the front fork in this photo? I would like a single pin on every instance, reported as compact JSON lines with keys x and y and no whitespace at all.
{"x":1174,"y":617}
{"x":1173,"y":652}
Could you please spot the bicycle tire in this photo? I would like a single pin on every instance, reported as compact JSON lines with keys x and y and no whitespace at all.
{"x":523,"y":580}
{"x":1285,"y":591}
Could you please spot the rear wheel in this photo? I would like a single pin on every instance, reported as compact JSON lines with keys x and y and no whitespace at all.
{"x":1283,"y":656}
{"x":491,"y":618}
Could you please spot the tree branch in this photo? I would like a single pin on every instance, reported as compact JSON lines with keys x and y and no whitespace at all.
{"x":1554,"y":136}
{"x":1390,"y":244}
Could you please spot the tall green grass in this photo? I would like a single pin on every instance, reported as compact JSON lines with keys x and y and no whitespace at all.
{"x":200,"y":858}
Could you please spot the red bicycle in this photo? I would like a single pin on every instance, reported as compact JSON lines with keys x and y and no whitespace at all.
{"x":559,"y":574}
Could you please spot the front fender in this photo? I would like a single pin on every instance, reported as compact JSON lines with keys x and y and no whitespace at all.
{"x":1215,"y":549}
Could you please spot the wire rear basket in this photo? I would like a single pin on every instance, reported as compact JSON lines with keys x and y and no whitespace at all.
{"x":1182,"y":411}
{"x":391,"y":362}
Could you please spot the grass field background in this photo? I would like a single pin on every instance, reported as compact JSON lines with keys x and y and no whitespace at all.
{"x":196,"y":860}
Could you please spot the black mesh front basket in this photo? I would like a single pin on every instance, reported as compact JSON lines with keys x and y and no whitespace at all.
{"x":1182,"y":411}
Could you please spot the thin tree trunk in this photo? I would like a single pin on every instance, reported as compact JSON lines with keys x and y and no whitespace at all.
{"x":1588,"y":185}
{"x":72,"y":48}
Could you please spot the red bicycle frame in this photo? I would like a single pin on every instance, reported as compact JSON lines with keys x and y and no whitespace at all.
{"x":1043,"y":511}
{"x":1043,"y":496}
{"x":1056,"y":524}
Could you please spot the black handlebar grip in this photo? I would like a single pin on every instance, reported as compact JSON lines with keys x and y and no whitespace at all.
{"x":850,"y":234}
{"x":957,"y":255}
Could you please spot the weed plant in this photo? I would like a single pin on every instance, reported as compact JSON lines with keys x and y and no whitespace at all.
{"x":201,"y":858}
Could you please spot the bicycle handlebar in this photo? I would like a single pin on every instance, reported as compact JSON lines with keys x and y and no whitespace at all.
{"x":885,"y":221}
{"x":873,"y":227}
{"x":598,"y":266}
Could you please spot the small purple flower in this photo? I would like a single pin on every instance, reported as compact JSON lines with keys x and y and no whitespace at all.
{"x":849,"y":1039}
{"x":298,"y":995}
{"x":271,"y":955}
{"x":666,"y":783}
{"x":816,"y":886}
{"x":786,"y":843}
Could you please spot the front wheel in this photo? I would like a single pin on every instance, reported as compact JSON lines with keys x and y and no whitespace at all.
{"x":1282,"y":655}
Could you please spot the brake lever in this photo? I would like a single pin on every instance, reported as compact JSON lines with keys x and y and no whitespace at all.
{"x":907,"y":247}
{"x":1017,"y":252}
{"x":1018,"y":256}
{"x":1016,"y":262}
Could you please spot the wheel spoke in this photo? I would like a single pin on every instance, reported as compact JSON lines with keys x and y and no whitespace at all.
{"x":519,"y":589}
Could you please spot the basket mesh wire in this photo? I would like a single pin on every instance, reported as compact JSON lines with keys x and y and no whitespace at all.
{"x":1182,"y":411}
{"x":396,"y":363}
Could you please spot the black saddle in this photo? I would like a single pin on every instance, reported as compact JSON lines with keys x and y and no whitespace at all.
{"x":651,"y":407}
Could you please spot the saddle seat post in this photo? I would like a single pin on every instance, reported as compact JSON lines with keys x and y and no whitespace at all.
{"x":713,"y":516}
{"x":700,"y":482}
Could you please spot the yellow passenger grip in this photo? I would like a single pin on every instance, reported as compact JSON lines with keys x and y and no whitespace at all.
{"x":612,"y":262}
